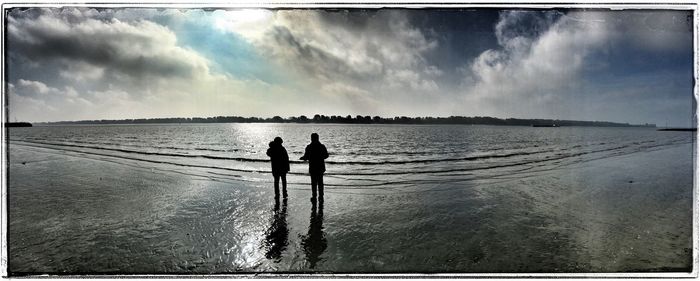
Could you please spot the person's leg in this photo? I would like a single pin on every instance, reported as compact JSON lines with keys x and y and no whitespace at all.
{"x":313,"y":186}
{"x":284,"y":184}
{"x":277,"y":184}
{"x":320,"y":186}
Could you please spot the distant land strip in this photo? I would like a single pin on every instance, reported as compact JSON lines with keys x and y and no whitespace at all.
{"x":679,"y":129}
{"x":18,"y":124}
{"x":461,"y":120}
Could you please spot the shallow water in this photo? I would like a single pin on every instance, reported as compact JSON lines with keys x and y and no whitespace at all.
{"x":365,"y":158}
{"x":399,"y":198}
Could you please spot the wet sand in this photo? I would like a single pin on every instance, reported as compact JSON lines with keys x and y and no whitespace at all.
{"x":71,"y":212}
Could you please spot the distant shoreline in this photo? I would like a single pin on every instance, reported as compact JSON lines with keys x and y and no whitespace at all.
{"x":18,"y":124}
{"x":322,"y":119}
{"x":679,"y":129}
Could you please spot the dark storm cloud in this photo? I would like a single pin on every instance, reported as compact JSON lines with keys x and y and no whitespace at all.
{"x":661,"y":31}
{"x":313,"y":60}
{"x":138,"y":50}
{"x":524,"y":24}
{"x":355,"y":19}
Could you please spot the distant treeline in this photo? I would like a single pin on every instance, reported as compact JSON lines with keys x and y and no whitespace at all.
{"x":18,"y":124}
{"x":478,"y":120}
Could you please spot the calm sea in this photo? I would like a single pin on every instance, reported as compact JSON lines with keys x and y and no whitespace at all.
{"x":401,"y":198}
{"x":370,"y":158}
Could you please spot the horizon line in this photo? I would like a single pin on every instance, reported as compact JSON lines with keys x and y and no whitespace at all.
{"x":306,"y":119}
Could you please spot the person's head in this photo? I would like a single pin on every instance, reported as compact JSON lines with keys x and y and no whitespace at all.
{"x":278,"y":140}
{"x":272,"y":143}
{"x":314,"y":137}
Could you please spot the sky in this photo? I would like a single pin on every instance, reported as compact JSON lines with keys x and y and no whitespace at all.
{"x":633,"y":66}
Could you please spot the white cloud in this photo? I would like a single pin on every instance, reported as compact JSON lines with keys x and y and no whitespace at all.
{"x":250,"y":23}
{"x":32,"y":88}
{"x":543,"y":64}
{"x":533,"y":71}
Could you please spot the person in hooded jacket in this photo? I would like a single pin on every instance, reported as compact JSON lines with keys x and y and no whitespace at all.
{"x":316,"y":153}
{"x":280,"y":165}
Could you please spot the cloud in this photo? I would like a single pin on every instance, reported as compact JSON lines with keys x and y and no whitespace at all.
{"x":342,"y":61}
{"x":82,"y":71}
{"x":34,"y":98}
{"x":657,"y":30}
{"x":358,"y":98}
{"x":141,"y":50}
{"x":533,"y":71}
{"x":33,"y":88}
{"x":250,"y":23}
{"x":516,"y":30}
{"x":549,"y":64}
{"x":380,"y":55}
{"x":87,"y":64}
{"x":79,"y":63}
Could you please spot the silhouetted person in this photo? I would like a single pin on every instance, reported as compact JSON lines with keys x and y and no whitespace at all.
{"x":314,"y":243}
{"x":316,"y":153}
{"x":279,"y":161}
{"x":276,"y":236}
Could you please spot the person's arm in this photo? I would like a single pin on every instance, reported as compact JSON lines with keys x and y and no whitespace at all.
{"x":325,"y":152}
{"x":306,"y":154}
{"x":285,"y":158}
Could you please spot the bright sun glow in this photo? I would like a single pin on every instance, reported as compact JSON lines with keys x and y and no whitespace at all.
{"x":242,"y":21}
{"x":249,"y":15}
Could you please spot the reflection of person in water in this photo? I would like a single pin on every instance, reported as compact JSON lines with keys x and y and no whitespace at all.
{"x":280,"y":165}
{"x":314,"y":243}
{"x":276,"y":236}
{"x":316,"y":153}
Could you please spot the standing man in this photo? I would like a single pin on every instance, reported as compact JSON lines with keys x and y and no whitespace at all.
{"x":315,"y":153}
{"x":280,"y":165}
